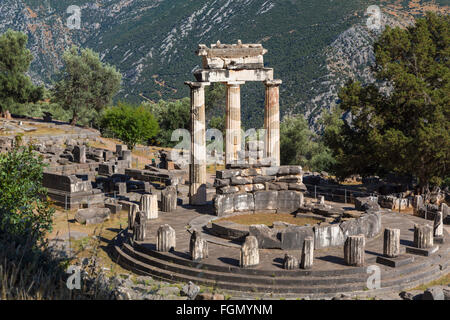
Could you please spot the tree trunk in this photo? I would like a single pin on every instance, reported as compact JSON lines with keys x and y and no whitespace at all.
{"x":74,"y":119}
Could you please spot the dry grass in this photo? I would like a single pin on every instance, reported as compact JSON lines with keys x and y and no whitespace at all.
{"x":103,"y":233}
{"x":40,"y":131}
{"x":269,"y":218}
{"x":212,"y":169}
{"x":444,"y":281}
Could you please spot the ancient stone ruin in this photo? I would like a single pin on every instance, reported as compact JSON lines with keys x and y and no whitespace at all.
{"x":233,"y":65}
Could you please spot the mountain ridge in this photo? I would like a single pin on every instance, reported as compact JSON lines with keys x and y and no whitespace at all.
{"x":152,"y":42}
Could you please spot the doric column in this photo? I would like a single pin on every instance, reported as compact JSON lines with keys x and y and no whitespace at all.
{"x":233,"y":122}
{"x":272,"y":121}
{"x":197,"y":166}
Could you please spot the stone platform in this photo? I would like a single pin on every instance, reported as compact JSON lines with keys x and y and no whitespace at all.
{"x":328,"y":277}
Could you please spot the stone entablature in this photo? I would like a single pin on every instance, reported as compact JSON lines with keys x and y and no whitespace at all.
{"x":232,"y":56}
{"x":258,"y":189}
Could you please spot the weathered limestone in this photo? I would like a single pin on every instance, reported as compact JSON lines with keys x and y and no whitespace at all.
{"x":354,"y":250}
{"x":249,"y":252}
{"x":139,"y":228}
{"x":307,"y":253}
{"x":92,"y":215}
{"x":391,"y":244}
{"x":198,"y":247}
{"x":79,"y":154}
{"x":267,"y":237}
{"x":328,"y":236}
{"x":233,"y":122}
{"x":423,"y":236}
{"x":322,"y":200}
{"x":133,"y":209}
{"x":293,"y":237}
{"x":149,"y":205}
{"x":417,"y":203}
{"x":438,"y":224}
{"x":290,"y":262}
{"x":197,"y":166}
{"x":272,"y":121}
{"x":165,"y":238}
{"x":169,"y":200}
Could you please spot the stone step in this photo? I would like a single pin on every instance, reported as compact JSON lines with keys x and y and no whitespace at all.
{"x":293,"y":288}
{"x":168,"y":270}
{"x":355,"y":272}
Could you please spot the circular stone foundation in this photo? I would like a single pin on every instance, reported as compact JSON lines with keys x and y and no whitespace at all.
{"x":271,"y":219}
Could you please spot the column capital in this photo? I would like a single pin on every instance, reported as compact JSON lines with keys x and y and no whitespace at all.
{"x":273,"y":83}
{"x":195,"y":84}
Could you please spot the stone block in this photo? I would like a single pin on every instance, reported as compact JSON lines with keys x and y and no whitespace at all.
{"x":244,"y":202}
{"x":237,"y":181}
{"x":328,"y":236}
{"x":366,"y":203}
{"x":221,"y":182}
{"x":114,"y":207}
{"x":266,"y":237}
{"x":228,"y":190}
{"x":251,"y":172}
{"x":269,"y":171}
{"x":266,"y":200}
{"x":294,"y":236}
{"x":227,"y":174}
{"x":395,"y":262}
{"x":290,"y":179}
{"x":224,"y":205}
{"x":288,"y":201}
{"x":92,"y":215}
{"x":246,"y":188}
{"x":297,"y":187}
{"x":263,"y":179}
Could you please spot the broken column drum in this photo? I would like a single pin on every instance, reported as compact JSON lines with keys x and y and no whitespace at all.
{"x":423,"y":236}
{"x":165,"y":238}
{"x":354,"y":250}
{"x":139,"y":228}
{"x":149,"y":205}
{"x":249,"y":252}
{"x":290,"y":262}
{"x":307,"y":253}
{"x":391,"y":244}
{"x":133,"y":209}
{"x":198,"y":247}
{"x":438,"y":224}
{"x":169,"y":199}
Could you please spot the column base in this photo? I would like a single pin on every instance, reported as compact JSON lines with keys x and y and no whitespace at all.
{"x":422,"y":251}
{"x":396,"y":262}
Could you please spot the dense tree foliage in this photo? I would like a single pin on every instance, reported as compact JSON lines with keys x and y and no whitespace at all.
{"x":24,"y":209}
{"x":15,"y":86}
{"x":299,"y":145}
{"x":86,"y":84}
{"x":405,"y":128}
{"x":171,"y":115}
{"x":129,"y":123}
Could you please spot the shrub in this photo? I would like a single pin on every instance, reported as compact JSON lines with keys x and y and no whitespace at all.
{"x":131,"y":124}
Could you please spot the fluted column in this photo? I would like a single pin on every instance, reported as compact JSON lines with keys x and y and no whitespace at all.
{"x":272,"y":121}
{"x":197,"y":166}
{"x":233,"y":122}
